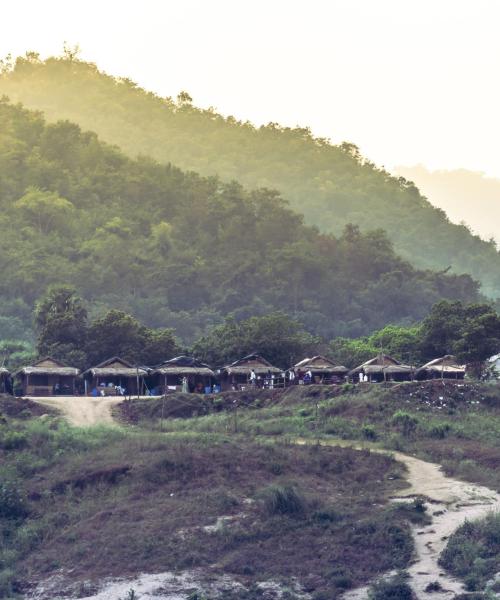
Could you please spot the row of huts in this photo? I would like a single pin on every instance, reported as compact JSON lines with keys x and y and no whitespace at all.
{"x":49,"y":376}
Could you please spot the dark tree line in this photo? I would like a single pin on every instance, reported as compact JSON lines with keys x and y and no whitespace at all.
{"x":470,"y":332}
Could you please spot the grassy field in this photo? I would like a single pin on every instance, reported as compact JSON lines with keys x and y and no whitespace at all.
{"x":216,"y":484}
{"x":457,"y":426}
{"x":112,"y":502}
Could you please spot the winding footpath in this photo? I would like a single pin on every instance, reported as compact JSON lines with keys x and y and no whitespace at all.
{"x":449,"y":501}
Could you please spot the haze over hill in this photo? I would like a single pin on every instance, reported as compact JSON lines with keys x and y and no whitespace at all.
{"x":465,"y":196}
{"x":331,"y":185}
{"x":180,"y":250}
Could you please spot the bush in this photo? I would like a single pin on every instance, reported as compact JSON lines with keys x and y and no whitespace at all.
{"x":284,"y":500}
{"x":473,"y":551}
{"x":440,"y":431}
{"x":6,"y":583}
{"x":392,"y":589}
{"x":12,"y":500}
{"x":13,"y":440}
{"x":369,"y":432}
{"x":405,"y":422}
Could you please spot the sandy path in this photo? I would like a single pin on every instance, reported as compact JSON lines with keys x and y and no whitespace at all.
{"x":82,"y":411}
{"x":451,"y":502}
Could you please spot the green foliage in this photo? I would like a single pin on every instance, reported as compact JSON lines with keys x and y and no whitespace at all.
{"x":473,"y":551}
{"x":197,"y":595}
{"x":13,"y":503}
{"x":332,"y":185}
{"x":277,"y":337}
{"x":61,"y":323}
{"x":284,"y":500}
{"x":117,"y":333}
{"x":45,"y":211}
{"x":15,"y":352}
{"x":396,"y":588}
{"x":405,"y":422}
{"x":403,"y":343}
{"x":179,"y":250}
{"x":13,"y":440}
{"x":471,"y":332}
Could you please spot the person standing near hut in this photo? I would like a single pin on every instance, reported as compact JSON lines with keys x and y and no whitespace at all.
{"x":253,"y":377}
{"x":185,"y":388}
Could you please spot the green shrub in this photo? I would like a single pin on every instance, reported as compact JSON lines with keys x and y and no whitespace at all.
{"x":326,"y":516}
{"x":7,"y":583}
{"x":13,"y":440}
{"x":369,"y":432}
{"x":197,"y":596}
{"x":392,"y":589}
{"x":284,"y":500}
{"x":405,"y":422}
{"x":395,"y":442}
{"x":342,"y":582}
{"x":440,"y":431}
{"x":473,"y":551}
{"x":12,"y":500}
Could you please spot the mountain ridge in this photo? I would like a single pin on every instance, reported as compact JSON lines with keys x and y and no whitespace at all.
{"x":180,"y":250}
{"x":331,"y":185}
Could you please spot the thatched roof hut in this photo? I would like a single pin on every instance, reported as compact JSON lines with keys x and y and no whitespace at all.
{"x":115,"y":367}
{"x":383,"y":367}
{"x":321,"y":365}
{"x":239,"y":373}
{"x":446,"y":367}
{"x":184,"y":365}
{"x":247,"y":364}
{"x":46,"y":377}
{"x":49,"y":366}
{"x":115,"y":372}
{"x":182,"y":373}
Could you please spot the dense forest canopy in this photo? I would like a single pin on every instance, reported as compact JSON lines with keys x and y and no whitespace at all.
{"x":179,"y":250}
{"x":331,"y":185}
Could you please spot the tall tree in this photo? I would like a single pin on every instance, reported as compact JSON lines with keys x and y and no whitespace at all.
{"x":61,"y":325}
{"x":277,"y":337}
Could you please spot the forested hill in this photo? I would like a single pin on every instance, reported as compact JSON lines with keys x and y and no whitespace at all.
{"x":331,"y":185}
{"x":181,"y":250}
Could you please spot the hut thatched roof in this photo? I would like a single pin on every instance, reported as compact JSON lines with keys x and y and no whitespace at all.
{"x":49,"y":366}
{"x":247,"y":364}
{"x":4,"y":371}
{"x":183,"y":365}
{"x":321,"y":364}
{"x":445,"y":364}
{"x":116,"y":367}
{"x":380,"y":364}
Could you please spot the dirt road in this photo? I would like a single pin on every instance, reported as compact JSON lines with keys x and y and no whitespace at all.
{"x":82,"y":411}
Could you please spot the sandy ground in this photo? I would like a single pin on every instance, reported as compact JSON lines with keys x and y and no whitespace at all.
{"x":82,"y":411}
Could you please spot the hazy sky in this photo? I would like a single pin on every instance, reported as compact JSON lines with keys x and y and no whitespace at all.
{"x":409,"y":81}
